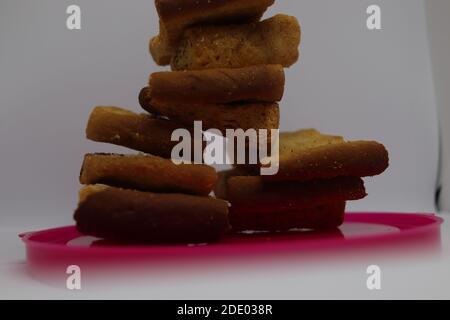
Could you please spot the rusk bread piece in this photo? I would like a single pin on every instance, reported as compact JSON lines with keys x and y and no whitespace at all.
{"x":176,"y":15}
{"x":147,"y":173}
{"x":309,"y":155}
{"x":247,"y":115}
{"x":272,"y":41}
{"x":141,"y":132}
{"x":322,"y":217}
{"x":290,"y":142}
{"x":89,"y":190}
{"x":144,"y":217}
{"x":220,"y":188}
{"x":263,"y":83}
{"x":249,"y":193}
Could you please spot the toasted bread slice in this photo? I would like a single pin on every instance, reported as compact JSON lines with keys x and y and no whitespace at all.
{"x":176,"y":15}
{"x":144,"y":217}
{"x":250,"y":193}
{"x":147,"y":173}
{"x":88,"y":190}
{"x":309,"y":155}
{"x":141,"y":132}
{"x":263,"y":83}
{"x":322,"y":217}
{"x":220,"y":189}
{"x":246,"y":115}
{"x":272,"y":41}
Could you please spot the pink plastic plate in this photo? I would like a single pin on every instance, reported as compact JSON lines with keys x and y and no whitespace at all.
{"x":66,"y":246}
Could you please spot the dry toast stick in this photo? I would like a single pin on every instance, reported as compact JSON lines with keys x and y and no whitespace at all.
{"x":141,"y":132}
{"x":272,"y":41}
{"x":143,"y":217}
{"x":264,"y":83}
{"x":308,"y":155}
{"x":251,"y":115}
{"x":176,"y":15}
{"x":147,"y":173}
{"x":322,"y":217}
{"x":249,"y":193}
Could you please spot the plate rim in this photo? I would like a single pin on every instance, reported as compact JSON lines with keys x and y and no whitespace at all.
{"x":431,"y":221}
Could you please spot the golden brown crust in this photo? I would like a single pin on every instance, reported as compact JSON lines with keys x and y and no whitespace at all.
{"x":220,"y":188}
{"x":147,"y":173}
{"x":141,"y":132}
{"x":263,"y":83}
{"x":324,"y":216}
{"x":177,"y":15}
{"x":291,"y":143}
{"x":88,"y":190}
{"x":311,"y":161}
{"x":144,"y":217}
{"x":250,"y":193}
{"x":309,"y":155}
{"x":272,"y":41}
{"x":252,"y":115}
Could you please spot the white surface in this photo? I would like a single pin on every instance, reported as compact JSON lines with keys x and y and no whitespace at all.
{"x":418,"y":276}
{"x":437,"y":17}
{"x":351,"y":81}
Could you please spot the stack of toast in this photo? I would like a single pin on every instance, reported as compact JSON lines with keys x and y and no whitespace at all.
{"x":317,"y":175}
{"x":228,"y":72}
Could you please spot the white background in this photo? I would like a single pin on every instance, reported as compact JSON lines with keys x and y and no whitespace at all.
{"x":438,"y":22}
{"x":362,"y":84}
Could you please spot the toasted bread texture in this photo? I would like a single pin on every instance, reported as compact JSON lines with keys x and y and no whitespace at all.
{"x":263,"y":83}
{"x":147,"y":173}
{"x":143,"y":217}
{"x":220,"y":189}
{"x":88,"y":190}
{"x":322,"y":217}
{"x":250,"y":193}
{"x":176,"y":15}
{"x":309,"y":155}
{"x":272,"y":41}
{"x":246,"y":115}
{"x":141,"y":132}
